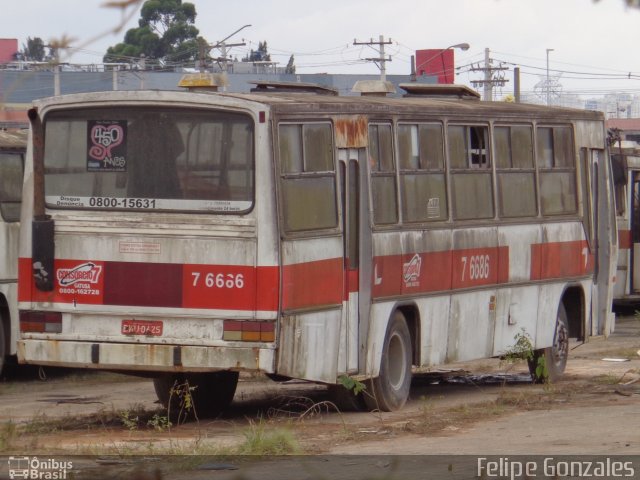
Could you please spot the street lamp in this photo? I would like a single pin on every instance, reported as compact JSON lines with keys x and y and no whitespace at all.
{"x":462,"y":46}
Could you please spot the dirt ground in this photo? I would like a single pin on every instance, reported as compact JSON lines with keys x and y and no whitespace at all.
{"x":476,"y":408}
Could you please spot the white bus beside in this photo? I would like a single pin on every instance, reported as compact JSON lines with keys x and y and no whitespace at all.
{"x":13,"y":145}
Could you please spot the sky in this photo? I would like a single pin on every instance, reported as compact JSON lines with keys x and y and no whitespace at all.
{"x":592,"y":43}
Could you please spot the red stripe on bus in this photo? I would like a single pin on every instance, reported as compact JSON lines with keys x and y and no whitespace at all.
{"x":267,"y":288}
{"x":149,"y":284}
{"x":223,"y":287}
{"x":427,"y":272}
{"x":624,"y":239}
{"x":313,"y":284}
{"x":560,"y":259}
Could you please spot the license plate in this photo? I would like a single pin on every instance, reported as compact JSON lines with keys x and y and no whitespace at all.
{"x":141,"y":327}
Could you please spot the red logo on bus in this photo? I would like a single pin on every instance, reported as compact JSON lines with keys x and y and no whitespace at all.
{"x":411,"y":271}
{"x":87,"y":272}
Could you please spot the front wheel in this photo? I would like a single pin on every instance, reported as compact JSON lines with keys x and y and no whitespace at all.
{"x":548,"y":364}
{"x":196,"y":394}
{"x":390,"y":390}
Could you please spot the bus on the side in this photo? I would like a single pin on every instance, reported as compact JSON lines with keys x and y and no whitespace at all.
{"x":190,"y":236}
{"x":625,"y":162}
{"x":13,"y":144}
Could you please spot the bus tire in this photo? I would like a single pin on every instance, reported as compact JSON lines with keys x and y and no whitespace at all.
{"x":210,"y":392}
{"x":3,"y":347}
{"x":554,"y":357}
{"x":390,"y":390}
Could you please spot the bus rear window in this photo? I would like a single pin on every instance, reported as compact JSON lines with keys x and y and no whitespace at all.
{"x":149,"y":158}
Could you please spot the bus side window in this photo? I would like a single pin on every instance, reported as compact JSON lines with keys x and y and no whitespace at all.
{"x":383,"y":175}
{"x":515,"y":171}
{"x":471,"y":178}
{"x":556,"y":163}
{"x":619,"y":171}
{"x":308,"y":177}
{"x":422,"y":176}
{"x":11,"y":171}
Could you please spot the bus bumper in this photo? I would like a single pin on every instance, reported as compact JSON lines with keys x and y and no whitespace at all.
{"x":138,"y":357}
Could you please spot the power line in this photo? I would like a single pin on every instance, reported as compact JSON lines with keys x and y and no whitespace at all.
{"x":381,"y":60}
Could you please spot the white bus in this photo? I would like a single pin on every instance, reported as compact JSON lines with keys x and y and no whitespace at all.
{"x":13,"y":145}
{"x":625,"y":161}
{"x":291,"y":231}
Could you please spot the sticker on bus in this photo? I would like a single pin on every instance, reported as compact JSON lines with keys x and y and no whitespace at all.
{"x":120,"y":203}
{"x":107,"y":146}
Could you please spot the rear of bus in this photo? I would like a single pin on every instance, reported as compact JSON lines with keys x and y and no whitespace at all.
{"x":140,"y":249}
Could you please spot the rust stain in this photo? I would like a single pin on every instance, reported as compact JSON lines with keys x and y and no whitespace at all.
{"x":351,"y":132}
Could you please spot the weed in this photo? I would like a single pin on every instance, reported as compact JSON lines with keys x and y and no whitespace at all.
{"x":258,"y":440}
{"x":352,"y":384}
{"x":160,"y":423}
{"x":523,"y":350}
{"x":7,"y":436}
{"x":183,"y":395}
{"x":606,"y":379}
{"x":129,"y":422}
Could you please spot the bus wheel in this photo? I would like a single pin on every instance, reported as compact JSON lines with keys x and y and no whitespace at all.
{"x":196,"y":394}
{"x":555,"y":357}
{"x":390,"y":390}
{"x":3,"y":347}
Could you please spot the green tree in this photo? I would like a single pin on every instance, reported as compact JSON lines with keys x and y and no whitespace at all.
{"x":291,"y":66}
{"x":165,"y":32}
{"x":34,"y":50}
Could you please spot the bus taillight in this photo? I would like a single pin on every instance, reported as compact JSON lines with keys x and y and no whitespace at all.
{"x":40,"y":322}
{"x":249,"y":331}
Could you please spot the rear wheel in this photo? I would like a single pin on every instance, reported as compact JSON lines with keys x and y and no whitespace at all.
{"x":196,"y":394}
{"x":390,"y":390}
{"x":3,"y":347}
{"x":554,"y":358}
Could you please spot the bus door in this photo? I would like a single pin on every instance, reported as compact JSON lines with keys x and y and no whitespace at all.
{"x":357,"y":258}
{"x":635,"y":231}
{"x":605,"y":240}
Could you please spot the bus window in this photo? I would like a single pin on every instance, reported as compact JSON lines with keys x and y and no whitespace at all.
{"x":471,"y":180}
{"x":515,"y":171}
{"x":422,"y":178}
{"x":556,"y":163}
{"x":308,"y":177}
{"x":10,"y":186}
{"x":383,"y":175}
{"x":149,"y":159}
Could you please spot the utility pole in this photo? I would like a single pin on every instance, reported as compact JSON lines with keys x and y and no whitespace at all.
{"x":548,"y":85}
{"x":223,"y":52}
{"x":381,"y":60}
{"x":493,"y":76}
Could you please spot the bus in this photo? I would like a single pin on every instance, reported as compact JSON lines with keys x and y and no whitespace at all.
{"x":13,"y":144}
{"x":193,"y":235}
{"x":625,"y":163}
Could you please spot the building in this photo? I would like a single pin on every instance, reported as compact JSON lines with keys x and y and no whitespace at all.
{"x":436,"y":62}
{"x":629,"y":128}
{"x":8,"y":48}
